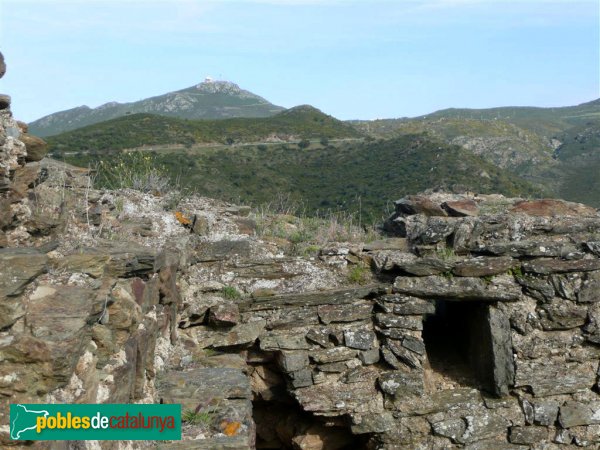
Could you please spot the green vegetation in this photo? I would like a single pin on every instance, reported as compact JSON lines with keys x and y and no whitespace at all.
{"x":446,"y":253}
{"x":355,"y":178}
{"x":230,"y":293}
{"x":139,"y":130}
{"x":197,"y":417}
{"x":307,"y":233}
{"x":358,"y":274}
{"x":135,"y":170}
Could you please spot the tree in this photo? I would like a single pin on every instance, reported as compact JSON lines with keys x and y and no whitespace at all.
{"x":304,"y":143}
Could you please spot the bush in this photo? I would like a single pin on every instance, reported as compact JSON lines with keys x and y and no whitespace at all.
{"x":304,"y":143}
{"x":133,"y":170}
{"x":230,"y":293}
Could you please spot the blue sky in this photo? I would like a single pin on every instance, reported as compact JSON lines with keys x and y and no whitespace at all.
{"x":352,"y":59}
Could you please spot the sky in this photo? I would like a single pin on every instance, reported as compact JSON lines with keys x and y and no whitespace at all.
{"x":353,"y":59}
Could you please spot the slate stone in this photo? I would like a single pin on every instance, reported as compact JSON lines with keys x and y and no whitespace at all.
{"x":483,"y":266}
{"x":369,"y":356}
{"x":400,"y":244}
{"x":222,"y":250}
{"x":439,"y":401}
{"x":338,"y":398}
{"x":551,"y":208}
{"x":400,"y":383}
{"x":589,"y":291}
{"x":35,"y":146}
{"x":574,"y":414}
{"x":224,"y":315}
{"x":527,"y":435}
{"x":562,"y":315}
{"x":549,"y":266}
{"x":467,"y":288}
{"x":334,"y":367}
{"x":328,"y":297}
{"x":555,"y":376}
{"x":545,"y":412}
{"x":414,"y":344}
{"x":320,"y":336}
{"x":292,"y":360}
{"x":538,"y":288}
{"x":283,"y":318}
{"x":391,"y":359}
{"x":241,"y":334}
{"x":452,"y":428}
{"x":461,"y":208}
{"x":416,"y":204}
{"x":276,"y":340}
{"x":196,"y":386}
{"x":345,"y":313}
{"x":335,"y":354}
{"x":395,"y":321}
{"x":423,"y":267}
{"x":406,"y":356}
{"x":18,"y":267}
{"x":301,"y":378}
{"x":531,"y":248}
{"x":405,"y":305}
{"x":359,"y":339}
{"x":373,"y":423}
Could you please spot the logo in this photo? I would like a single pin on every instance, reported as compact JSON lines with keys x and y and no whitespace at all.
{"x":98,"y":422}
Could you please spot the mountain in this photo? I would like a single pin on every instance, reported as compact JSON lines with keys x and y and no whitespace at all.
{"x":543,"y":121}
{"x":207,"y":100}
{"x":138,"y":130}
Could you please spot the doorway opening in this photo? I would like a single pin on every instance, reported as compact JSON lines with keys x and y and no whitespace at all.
{"x":460,"y":346}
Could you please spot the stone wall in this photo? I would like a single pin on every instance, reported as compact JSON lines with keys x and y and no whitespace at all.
{"x":481,"y":332}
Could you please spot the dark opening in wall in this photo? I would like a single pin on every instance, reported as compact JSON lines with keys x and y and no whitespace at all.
{"x":468,"y":343}
{"x":281,"y":423}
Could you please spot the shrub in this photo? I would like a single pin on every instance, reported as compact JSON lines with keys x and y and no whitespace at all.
{"x":134,"y":170}
{"x":358,"y":275}
{"x":304,"y":143}
{"x":230,"y":293}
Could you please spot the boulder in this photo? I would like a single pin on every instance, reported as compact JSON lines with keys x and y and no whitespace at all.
{"x":36,"y":147}
{"x":417,"y":204}
{"x":461,"y":208}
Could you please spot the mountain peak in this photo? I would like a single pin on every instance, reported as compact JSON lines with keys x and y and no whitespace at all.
{"x":211,"y":86}
{"x":210,"y":99}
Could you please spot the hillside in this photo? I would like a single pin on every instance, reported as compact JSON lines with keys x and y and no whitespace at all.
{"x":579,"y":156}
{"x":553,"y":148}
{"x":207,"y":100}
{"x":544,"y":121}
{"x":302,"y":122}
{"x":350,"y":177}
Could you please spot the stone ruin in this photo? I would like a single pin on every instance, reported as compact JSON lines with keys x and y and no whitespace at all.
{"x":478,"y":327}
